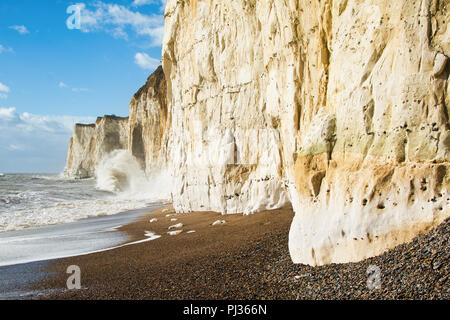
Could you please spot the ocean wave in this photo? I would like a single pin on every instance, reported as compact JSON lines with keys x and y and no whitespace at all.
{"x":121,"y":174}
{"x":32,"y":200}
{"x":64,"y":212}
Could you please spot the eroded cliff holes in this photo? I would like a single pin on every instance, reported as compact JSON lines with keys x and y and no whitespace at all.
{"x":316,"y":182}
{"x":381,"y":206}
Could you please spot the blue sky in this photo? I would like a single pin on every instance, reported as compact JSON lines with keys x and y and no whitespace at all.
{"x":56,"y":70}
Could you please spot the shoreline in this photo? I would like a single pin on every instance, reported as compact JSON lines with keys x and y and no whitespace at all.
{"x":166,"y":256}
{"x":65,"y":240}
{"x":25,"y":253}
{"x":245,"y":258}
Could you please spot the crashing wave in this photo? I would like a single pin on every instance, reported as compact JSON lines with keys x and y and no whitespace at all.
{"x":120,"y":173}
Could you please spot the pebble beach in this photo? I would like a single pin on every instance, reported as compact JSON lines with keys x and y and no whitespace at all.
{"x":245,"y":257}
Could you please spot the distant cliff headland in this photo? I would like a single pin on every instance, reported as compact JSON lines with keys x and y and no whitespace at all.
{"x":338,"y":107}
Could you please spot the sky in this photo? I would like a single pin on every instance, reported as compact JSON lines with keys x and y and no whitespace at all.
{"x":64,"y":62}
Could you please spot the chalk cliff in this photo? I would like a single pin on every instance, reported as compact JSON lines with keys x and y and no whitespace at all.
{"x":337,"y":106}
{"x":342,"y":105}
{"x":148,"y":123}
{"x":227,"y":148}
{"x":92,"y":142}
{"x":80,"y":161}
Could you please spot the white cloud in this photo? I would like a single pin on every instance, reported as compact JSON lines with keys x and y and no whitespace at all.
{"x":7,"y":114}
{"x":16,"y":147}
{"x":119,"y":33}
{"x":20,"y":29}
{"x":156,"y":35}
{"x":5,"y":49}
{"x":145,"y":61}
{"x":9,"y":118}
{"x":4,"y":89}
{"x":119,"y":20}
{"x":35,"y":143}
{"x":138,"y":3}
{"x":62,"y":85}
{"x":79,"y":90}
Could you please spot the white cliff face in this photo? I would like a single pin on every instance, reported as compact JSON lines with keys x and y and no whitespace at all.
{"x":339,"y":106}
{"x":148,"y":124}
{"x":383,"y":178}
{"x":91,"y":143}
{"x":80,"y":162}
{"x":226,"y":149}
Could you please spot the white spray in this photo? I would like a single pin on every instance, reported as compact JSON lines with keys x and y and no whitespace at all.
{"x":120,"y":173}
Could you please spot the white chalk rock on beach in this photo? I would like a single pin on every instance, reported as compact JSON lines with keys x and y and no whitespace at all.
{"x":174,"y":233}
{"x":218,"y":222}
{"x":176,"y":226}
{"x":151,"y":235}
{"x":153,"y":220}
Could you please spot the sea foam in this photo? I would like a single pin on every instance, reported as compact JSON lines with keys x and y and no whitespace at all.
{"x":121,"y":174}
{"x":120,"y":185}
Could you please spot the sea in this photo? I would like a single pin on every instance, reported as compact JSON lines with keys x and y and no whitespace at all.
{"x":48,"y":216}
{"x":31,"y":200}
